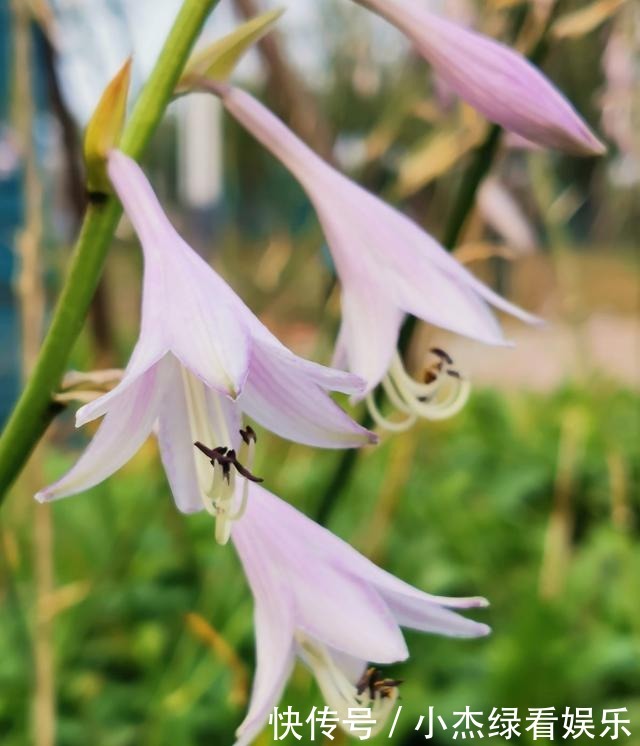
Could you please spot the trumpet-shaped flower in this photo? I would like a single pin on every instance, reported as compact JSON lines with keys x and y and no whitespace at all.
{"x":318,"y":599}
{"x":202,"y":359}
{"x":388,"y":267}
{"x":496,"y":80}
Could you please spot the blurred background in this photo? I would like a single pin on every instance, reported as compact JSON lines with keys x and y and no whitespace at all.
{"x":121,"y":621}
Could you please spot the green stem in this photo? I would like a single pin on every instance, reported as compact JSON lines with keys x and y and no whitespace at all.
{"x":35,"y":407}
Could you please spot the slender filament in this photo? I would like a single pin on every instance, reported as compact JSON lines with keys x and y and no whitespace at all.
{"x":443,"y":393}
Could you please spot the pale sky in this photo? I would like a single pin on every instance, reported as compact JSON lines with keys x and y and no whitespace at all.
{"x":94,"y":38}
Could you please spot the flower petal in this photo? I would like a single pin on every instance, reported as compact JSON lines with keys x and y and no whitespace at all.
{"x":274,"y":626}
{"x":209,"y":335}
{"x":496,"y":80}
{"x":411,"y":606}
{"x":344,"y":613}
{"x":269,"y":130}
{"x":425,"y":616}
{"x":121,"y":433}
{"x":203,"y":327}
{"x":502,"y":212}
{"x":369,"y":332}
{"x":331,"y":605}
{"x":418,"y":276}
{"x":351,"y":667}
{"x":145,"y":355}
{"x":387,"y":264}
{"x":329,"y":379}
{"x":285,"y":399}
{"x":177,"y":451}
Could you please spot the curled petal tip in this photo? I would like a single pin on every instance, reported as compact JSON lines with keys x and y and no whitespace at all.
{"x":357,"y":385}
{"x":362,"y":438}
{"x":586,"y":143}
{"x":597,"y":148}
{"x":43,"y":496}
{"x":478,"y":602}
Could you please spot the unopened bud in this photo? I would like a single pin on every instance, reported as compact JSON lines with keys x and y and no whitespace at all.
{"x":104,"y":130}
{"x":217,"y":61}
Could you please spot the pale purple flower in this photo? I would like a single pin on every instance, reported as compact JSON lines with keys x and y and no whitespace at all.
{"x":317,"y":599}
{"x":496,"y":80}
{"x":502,"y":212}
{"x":202,"y":359}
{"x":619,"y":100}
{"x":388,"y":267}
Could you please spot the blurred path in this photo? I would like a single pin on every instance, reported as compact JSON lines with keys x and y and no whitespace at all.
{"x":543,"y":359}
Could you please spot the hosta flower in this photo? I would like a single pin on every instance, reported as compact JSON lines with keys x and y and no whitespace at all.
{"x":496,"y":80}
{"x":201,"y":361}
{"x":319,"y":600}
{"x":388,"y":267}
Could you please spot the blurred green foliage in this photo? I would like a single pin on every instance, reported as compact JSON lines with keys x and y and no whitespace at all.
{"x":462,"y":507}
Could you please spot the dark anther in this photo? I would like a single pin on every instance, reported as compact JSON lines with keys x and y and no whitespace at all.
{"x":211,"y":453}
{"x":453,"y":373}
{"x":373,"y":680}
{"x":226,"y":457}
{"x":385,"y":687}
{"x":365,"y":681}
{"x":246,"y":473}
{"x":248,"y":435}
{"x":442,"y":355}
{"x":430,"y":376}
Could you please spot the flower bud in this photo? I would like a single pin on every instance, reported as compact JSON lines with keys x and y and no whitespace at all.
{"x":218,"y":60}
{"x":104,"y":130}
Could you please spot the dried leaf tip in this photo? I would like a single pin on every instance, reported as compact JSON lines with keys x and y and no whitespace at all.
{"x":104,"y":130}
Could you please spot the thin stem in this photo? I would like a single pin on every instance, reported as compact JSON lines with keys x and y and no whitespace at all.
{"x":34,"y":409}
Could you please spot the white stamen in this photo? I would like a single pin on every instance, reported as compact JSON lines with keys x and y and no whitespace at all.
{"x":339,"y":693}
{"x":384,"y":422}
{"x":217,"y":491}
{"x":438,"y":399}
{"x":247,"y":456}
{"x":224,"y":505}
